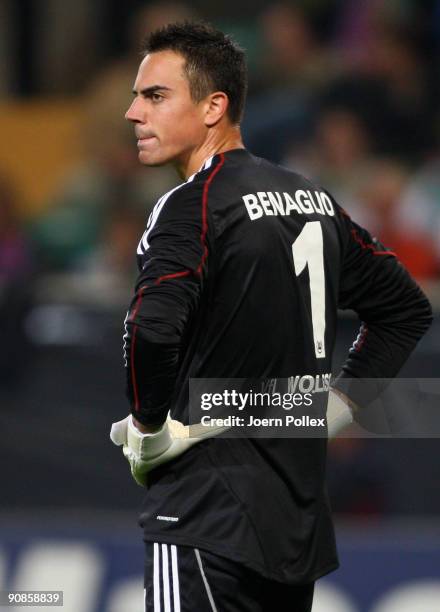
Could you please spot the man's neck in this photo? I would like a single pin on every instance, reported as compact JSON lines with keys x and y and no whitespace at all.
{"x":212,"y":146}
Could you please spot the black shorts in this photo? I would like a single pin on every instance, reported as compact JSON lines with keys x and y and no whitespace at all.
{"x":184,"y":579}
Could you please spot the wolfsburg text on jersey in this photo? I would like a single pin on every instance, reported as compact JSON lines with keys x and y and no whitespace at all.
{"x":273,"y":203}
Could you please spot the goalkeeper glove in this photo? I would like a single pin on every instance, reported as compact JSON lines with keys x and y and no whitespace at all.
{"x":145,"y":452}
{"x":339,"y":413}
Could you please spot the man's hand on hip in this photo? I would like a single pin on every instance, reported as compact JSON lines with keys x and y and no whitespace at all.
{"x":146,"y":451}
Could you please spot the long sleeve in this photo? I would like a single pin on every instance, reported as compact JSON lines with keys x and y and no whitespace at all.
{"x":394,"y":311}
{"x":172,"y":258}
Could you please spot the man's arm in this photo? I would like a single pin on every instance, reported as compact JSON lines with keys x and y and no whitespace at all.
{"x":173,"y":256}
{"x":154,"y":329}
{"x":394,"y":312}
{"x":173,"y":263}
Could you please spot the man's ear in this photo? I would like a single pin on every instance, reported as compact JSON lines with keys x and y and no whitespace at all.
{"x":217,"y":105}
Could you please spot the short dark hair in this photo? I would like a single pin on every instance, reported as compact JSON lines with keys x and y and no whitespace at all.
{"x":213,"y":61}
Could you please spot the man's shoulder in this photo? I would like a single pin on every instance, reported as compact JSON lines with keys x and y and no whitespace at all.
{"x":192,"y":190}
{"x":182,"y":202}
{"x":183,"y":192}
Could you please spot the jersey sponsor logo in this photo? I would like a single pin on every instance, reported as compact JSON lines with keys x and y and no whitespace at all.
{"x":309,"y":383}
{"x":172,"y":519}
{"x":274,"y":203}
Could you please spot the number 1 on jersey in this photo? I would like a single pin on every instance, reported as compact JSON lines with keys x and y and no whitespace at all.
{"x":308,"y":250}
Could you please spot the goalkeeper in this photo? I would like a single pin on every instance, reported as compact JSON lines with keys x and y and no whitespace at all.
{"x":241,"y":270}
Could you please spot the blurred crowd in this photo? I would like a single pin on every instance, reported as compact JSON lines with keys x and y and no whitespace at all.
{"x":345,"y":92}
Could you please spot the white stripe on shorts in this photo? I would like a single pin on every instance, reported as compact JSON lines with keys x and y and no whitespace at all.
{"x":166,"y":579}
{"x":175,"y":575}
{"x":156,"y":583}
{"x":207,"y":587}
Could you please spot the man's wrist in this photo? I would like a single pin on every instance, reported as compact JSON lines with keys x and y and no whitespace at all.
{"x":353,"y":407}
{"x":146,"y":429}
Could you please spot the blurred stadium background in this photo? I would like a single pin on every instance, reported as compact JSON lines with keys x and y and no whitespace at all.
{"x":345,"y":92}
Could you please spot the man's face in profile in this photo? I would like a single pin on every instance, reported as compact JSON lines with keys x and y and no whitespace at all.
{"x":168,"y":124}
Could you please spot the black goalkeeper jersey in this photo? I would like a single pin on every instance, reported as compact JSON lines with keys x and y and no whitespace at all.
{"x":242,"y":270}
